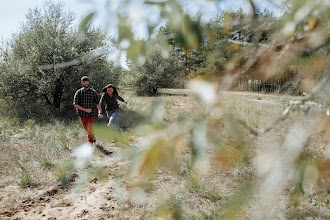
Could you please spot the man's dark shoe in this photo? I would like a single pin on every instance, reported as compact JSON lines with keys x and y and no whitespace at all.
{"x":103,"y":150}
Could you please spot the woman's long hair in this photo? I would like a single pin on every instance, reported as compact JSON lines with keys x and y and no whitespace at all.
{"x":104,"y":90}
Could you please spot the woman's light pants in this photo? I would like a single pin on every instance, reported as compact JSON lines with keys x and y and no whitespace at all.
{"x":113,"y":118}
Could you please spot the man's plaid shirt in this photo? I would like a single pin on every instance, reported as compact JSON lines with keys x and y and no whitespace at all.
{"x":86,"y":99}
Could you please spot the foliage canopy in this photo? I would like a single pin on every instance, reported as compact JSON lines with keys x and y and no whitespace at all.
{"x":43,"y":63}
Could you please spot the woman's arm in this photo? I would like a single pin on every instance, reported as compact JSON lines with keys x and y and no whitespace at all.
{"x":121,"y":99}
{"x":100,"y":106}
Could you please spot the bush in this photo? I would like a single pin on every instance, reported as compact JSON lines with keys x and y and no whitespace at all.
{"x":160,"y":70}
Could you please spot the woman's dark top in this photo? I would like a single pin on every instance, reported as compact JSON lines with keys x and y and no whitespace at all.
{"x":110,"y":103}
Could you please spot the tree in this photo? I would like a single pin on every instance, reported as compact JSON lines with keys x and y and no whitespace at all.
{"x":158,"y":71}
{"x":188,"y":55}
{"x":227,"y":36}
{"x":45,"y":60}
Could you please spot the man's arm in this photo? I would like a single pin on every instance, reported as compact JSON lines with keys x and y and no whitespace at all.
{"x":99,"y":107}
{"x":88,"y":110}
{"x":76,"y":99}
{"x":100,"y":115}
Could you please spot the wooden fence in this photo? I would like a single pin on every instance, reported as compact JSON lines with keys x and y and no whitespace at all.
{"x":257,"y":85}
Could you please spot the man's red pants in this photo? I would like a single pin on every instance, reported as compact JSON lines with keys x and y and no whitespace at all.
{"x":88,"y":125}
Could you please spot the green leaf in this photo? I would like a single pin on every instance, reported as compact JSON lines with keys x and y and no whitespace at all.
{"x":136,"y":49}
{"x":199,"y":146}
{"x":110,"y":134}
{"x":85,"y":23}
{"x":161,"y":4}
{"x":124,"y":29}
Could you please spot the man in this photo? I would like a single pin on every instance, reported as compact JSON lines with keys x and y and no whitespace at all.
{"x":84,"y":101}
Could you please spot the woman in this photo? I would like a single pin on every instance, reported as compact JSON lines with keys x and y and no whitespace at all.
{"x":109,"y":96}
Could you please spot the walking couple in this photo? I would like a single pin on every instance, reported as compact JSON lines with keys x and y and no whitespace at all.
{"x":85,"y":99}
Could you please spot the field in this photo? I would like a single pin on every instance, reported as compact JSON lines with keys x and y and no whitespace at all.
{"x":151,"y":169}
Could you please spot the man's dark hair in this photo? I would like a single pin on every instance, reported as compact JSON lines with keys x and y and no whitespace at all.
{"x":84,"y":78}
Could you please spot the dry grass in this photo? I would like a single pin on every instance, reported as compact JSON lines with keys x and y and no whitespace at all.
{"x":175,"y":190}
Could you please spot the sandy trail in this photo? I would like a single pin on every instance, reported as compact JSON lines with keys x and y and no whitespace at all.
{"x":96,"y":200}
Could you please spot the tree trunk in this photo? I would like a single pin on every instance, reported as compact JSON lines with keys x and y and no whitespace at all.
{"x":154,"y":89}
{"x":47,"y":99}
{"x":57,"y":97}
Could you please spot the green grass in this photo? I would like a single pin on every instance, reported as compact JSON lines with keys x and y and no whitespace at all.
{"x":203,"y":190}
{"x":64,"y":171}
{"x":24,"y":177}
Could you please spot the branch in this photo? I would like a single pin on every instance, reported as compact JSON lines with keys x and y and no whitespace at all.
{"x":248,"y":127}
{"x":87,"y":58}
{"x":248,"y":43}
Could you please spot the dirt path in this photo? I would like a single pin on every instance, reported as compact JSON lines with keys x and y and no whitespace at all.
{"x":94,"y":202}
{"x":89,"y":205}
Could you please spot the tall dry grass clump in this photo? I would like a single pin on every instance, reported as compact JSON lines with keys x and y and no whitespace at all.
{"x":31,"y":152}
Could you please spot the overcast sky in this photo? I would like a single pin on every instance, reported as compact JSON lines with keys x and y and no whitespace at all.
{"x":12,"y":12}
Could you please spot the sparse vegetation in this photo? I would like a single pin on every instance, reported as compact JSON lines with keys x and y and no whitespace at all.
{"x":190,"y":194}
{"x":204,"y":152}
